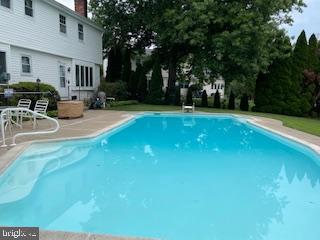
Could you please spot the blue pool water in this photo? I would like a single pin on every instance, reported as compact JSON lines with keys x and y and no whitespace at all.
{"x":170,"y":177}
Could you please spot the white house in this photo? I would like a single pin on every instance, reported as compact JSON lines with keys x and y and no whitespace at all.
{"x":211,"y":88}
{"x":43,"y":39}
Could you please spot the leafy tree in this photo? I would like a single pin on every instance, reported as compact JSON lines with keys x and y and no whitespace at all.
{"x":244,"y":103}
{"x":189,"y":100}
{"x":232,"y":39}
{"x":155,"y":90}
{"x":231,"y":103}
{"x":126,"y":71}
{"x":166,"y":96}
{"x":204,"y":99}
{"x":217,"y":100}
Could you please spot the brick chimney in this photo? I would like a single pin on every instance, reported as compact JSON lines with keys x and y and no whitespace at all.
{"x":81,"y":7}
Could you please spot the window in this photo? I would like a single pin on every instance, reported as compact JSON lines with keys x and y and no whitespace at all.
{"x":3,"y":65}
{"x":28,"y":8}
{"x":62,"y":75}
{"x":82,"y":76}
{"x":80,"y":32}
{"x":87,"y":76}
{"x":63,"y":24}
{"x":26,"y":64}
{"x":5,"y":3}
{"x":222,"y":86}
{"x":77,"y":75}
{"x":91,"y":77}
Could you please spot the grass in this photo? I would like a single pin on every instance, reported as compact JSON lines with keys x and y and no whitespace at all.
{"x":308,"y":125}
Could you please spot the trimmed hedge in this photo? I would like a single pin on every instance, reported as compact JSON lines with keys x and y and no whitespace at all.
{"x":53,"y":95}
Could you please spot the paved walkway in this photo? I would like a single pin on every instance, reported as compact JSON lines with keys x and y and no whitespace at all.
{"x":96,"y":122}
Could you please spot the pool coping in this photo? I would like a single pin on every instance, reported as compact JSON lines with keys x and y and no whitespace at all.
{"x":10,"y":156}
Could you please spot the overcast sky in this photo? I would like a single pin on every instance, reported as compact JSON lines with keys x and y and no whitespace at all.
{"x":309,"y":20}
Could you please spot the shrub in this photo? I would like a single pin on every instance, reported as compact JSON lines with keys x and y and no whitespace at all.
{"x":177,"y":97}
{"x":142,"y":87}
{"x":204,"y":99}
{"x":231,"y":103}
{"x":244,"y":103}
{"x":216,"y":102}
{"x":117,"y":90}
{"x":189,"y":100}
{"x":52,"y":96}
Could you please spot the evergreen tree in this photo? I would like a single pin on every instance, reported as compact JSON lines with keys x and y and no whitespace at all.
{"x":204,"y":99}
{"x":189,"y":97}
{"x":217,"y":102}
{"x":142,"y":90}
{"x":244,"y":103}
{"x":155,"y":89}
{"x":114,"y":67}
{"x":231,"y":103}
{"x":177,"y":98}
{"x":134,"y":80}
{"x":126,"y":71}
{"x":301,"y":97}
{"x":167,"y":96}
{"x":313,"y":53}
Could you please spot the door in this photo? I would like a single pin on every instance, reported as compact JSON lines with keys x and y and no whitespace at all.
{"x":64,"y":91}
{"x":3,"y":67}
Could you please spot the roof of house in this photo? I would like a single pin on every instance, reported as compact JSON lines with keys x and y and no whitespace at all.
{"x":74,"y":14}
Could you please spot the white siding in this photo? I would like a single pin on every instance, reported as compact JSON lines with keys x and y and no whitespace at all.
{"x":42,"y":33}
{"x":43,"y":66}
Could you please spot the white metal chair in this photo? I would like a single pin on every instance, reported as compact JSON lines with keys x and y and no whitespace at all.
{"x":23,"y":103}
{"x":40,"y":107}
{"x":186,"y":108}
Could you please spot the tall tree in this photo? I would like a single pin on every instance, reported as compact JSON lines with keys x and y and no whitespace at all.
{"x":217,"y":100}
{"x":155,"y":93}
{"x":231,"y":103}
{"x":126,"y":71}
{"x":300,"y":62}
{"x":142,"y":86}
{"x":233,"y":39}
{"x":114,"y":67}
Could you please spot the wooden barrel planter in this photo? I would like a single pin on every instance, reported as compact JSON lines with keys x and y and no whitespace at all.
{"x":70,"y":109}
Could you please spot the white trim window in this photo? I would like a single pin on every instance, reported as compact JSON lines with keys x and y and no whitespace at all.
{"x":63,"y":24}
{"x":80,"y":32}
{"x":84,"y":76}
{"x":26,"y":64}
{"x":62,"y":75}
{"x":5,"y":3}
{"x":28,"y":7}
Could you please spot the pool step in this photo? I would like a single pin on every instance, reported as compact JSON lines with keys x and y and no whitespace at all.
{"x":29,"y":170}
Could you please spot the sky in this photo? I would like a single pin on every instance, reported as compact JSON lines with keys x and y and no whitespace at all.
{"x":309,"y":20}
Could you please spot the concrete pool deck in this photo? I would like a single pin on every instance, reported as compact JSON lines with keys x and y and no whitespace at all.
{"x":96,"y":122}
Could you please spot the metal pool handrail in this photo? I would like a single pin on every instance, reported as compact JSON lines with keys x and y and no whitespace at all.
{"x":8,"y":111}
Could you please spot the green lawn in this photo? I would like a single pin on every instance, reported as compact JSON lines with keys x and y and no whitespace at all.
{"x":308,"y":125}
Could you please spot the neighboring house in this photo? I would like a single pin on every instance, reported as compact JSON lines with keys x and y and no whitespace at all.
{"x":43,"y":39}
{"x":218,"y":85}
{"x":211,"y":88}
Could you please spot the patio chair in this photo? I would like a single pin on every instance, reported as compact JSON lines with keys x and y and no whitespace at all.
{"x":40,"y":107}
{"x":186,"y":108}
{"x":23,"y":103}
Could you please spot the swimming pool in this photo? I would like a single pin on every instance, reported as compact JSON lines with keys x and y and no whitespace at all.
{"x":173,"y":177}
